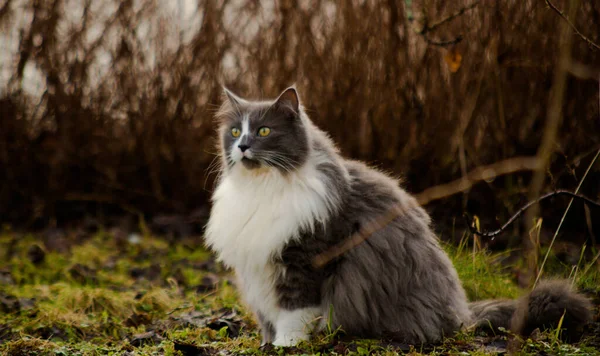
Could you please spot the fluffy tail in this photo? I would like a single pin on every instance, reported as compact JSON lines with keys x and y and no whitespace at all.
{"x":542,"y":308}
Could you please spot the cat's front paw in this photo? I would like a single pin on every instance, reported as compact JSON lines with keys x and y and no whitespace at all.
{"x":290,"y":339}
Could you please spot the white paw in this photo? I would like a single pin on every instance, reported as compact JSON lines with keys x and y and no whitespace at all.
{"x":290,"y":339}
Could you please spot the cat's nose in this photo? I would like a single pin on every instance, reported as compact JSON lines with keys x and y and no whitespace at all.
{"x":243,"y":148}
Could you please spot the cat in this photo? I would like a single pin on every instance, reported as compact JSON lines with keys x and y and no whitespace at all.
{"x":286,"y":195}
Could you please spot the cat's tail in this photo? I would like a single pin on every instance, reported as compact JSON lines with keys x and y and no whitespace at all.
{"x":550,"y":303}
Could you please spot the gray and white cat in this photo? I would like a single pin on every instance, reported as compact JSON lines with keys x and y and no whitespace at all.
{"x":286,"y":195}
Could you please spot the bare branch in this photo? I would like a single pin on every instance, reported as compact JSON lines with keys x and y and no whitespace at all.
{"x":443,"y":43}
{"x":477,"y":175}
{"x":493,"y":234}
{"x":429,"y":28}
{"x":450,"y":18}
{"x":583,"y":37}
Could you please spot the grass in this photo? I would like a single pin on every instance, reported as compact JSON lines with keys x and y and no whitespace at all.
{"x":108,"y":296}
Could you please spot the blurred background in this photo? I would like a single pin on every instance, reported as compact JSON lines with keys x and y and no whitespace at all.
{"x":106,"y":106}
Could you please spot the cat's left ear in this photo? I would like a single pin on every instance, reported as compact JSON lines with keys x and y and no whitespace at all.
{"x":289,"y":99}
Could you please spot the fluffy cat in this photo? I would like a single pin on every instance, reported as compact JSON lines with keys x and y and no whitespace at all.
{"x":285,"y":195}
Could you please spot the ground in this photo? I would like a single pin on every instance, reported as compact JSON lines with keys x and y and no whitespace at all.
{"x":115,"y":293}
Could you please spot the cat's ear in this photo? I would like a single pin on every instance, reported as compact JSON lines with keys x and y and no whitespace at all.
{"x":235,"y":100}
{"x":289,"y":99}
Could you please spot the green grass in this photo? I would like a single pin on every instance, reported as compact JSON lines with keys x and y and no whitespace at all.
{"x":103,"y":295}
{"x":481,"y":278}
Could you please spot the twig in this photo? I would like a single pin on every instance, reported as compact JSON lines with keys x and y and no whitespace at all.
{"x":443,"y":43}
{"x":357,"y":238}
{"x":181,"y":307}
{"x":590,"y":42}
{"x":438,"y":192}
{"x":563,"y":219}
{"x":479,"y":174}
{"x":429,"y":28}
{"x":493,"y":234}
{"x":449,"y":18}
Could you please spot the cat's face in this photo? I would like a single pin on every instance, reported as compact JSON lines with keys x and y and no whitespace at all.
{"x":263,"y":134}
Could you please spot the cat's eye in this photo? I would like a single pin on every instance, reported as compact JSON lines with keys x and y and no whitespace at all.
{"x":235,"y":132}
{"x":264,"y":131}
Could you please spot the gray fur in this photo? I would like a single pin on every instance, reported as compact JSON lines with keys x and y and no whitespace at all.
{"x":541,"y":308}
{"x":490,"y":315}
{"x":399,"y":282}
{"x":546,"y":305}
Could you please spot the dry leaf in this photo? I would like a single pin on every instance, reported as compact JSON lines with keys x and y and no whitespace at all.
{"x":454,"y":59}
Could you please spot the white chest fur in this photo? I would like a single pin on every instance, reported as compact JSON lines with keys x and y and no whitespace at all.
{"x":254,"y":215}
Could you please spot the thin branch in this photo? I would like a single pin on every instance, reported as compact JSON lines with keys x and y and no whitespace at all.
{"x":357,"y":238}
{"x":449,"y":18}
{"x":583,"y":37}
{"x":430,"y":28}
{"x":442,"y":43}
{"x":484,"y":173}
{"x":493,"y":234}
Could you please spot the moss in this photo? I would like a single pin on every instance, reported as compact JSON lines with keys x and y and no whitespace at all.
{"x":104,"y":311}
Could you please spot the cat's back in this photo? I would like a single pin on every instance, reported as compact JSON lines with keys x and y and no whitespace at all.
{"x":374,"y":192}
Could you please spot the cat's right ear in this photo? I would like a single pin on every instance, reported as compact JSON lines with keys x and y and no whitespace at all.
{"x":230,"y":108}
{"x":235,"y":100}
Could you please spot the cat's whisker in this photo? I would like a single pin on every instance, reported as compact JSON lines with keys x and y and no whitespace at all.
{"x":282,"y":166}
{"x":279,"y":155}
{"x":214,"y":167}
{"x":280,"y":161}
{"x":214,"y":161}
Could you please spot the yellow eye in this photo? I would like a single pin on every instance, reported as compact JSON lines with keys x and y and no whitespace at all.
{"x":264,"y":131}
{"x":235,"y":132}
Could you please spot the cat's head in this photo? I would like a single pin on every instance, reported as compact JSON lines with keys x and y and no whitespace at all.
{"x":263,"y":134}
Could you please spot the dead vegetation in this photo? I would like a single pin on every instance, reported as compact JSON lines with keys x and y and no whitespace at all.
{"x":106,"y":106}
